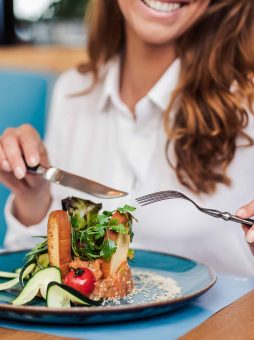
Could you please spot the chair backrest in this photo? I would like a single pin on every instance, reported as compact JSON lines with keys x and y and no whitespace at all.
{"x":24,"y":98}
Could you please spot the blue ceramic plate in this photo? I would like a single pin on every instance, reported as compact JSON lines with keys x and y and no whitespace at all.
{"x":163,"y":283}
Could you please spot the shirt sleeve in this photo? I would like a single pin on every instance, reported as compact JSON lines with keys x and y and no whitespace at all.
{"x":19,"y":236}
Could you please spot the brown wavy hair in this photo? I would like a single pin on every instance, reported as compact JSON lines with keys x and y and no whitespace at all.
{"x":215,"y":90}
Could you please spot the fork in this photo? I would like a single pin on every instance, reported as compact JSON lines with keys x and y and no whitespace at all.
{"x":170,"y":194}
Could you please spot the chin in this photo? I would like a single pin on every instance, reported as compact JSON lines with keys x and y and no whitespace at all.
{"x":156,"y":34}
{"x":161,"y":21}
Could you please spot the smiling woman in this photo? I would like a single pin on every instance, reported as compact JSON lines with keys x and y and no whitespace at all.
{"x":212,"y":59}
{"x":165,"y":101}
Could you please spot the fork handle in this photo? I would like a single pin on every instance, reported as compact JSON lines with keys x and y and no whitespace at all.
{"x":247,"y":221}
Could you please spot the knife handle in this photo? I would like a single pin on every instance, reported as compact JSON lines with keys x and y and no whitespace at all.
{"x":32,"y":169}
{"x":37,"y":170}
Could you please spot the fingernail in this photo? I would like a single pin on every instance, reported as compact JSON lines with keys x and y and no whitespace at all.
{"x":6,"y":166}
{"x":250,"y":236}
{"x":34,"y":160}
{"x":19,"y":172}
{"x":241,"y":212}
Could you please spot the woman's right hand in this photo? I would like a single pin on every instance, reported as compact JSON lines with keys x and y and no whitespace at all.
{"x":31,"y":192}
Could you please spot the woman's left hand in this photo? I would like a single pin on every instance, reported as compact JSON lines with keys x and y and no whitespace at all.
{"x":247,"y":211}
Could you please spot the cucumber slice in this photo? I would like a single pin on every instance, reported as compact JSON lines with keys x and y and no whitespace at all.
{"x":39,"y":282}
{"x":8,"y":275}
{"x":43,"y":260}
{"x":28,"y":268}
{"x":15,"y":281}
{"x":61,"y":296}
{"x":9,"y":284}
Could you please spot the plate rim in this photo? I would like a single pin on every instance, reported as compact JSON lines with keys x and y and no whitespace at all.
{"x":111,"y":309}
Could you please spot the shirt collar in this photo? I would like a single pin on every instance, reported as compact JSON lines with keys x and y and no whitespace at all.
{"x":159,"y":94}
{"x":110,"y":83}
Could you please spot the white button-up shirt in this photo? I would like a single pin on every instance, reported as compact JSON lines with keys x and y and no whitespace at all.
{"x":96,"y":136}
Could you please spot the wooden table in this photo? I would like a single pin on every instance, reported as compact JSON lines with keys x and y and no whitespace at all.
{"x":234,"y":322}
{"x":9,"y":334}
{"x":41,"y":58}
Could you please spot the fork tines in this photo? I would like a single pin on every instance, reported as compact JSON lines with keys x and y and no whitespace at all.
{"x":158,"y":196}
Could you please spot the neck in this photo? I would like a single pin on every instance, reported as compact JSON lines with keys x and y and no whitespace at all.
{"x":143,"y":65}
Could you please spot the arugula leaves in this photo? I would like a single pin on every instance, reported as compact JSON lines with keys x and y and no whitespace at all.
{"x":90,"y":228}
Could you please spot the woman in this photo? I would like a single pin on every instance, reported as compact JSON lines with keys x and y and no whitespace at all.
{"x":162,"y":76}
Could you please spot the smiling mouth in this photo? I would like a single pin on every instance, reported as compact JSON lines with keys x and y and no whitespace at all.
{"x":165,"y":7}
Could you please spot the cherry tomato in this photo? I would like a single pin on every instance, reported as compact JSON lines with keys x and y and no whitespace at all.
{"x":81,"y":279}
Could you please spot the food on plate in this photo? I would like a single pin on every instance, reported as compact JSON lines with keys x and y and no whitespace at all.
{"x":81,"y":279}
{"x":59,"y":240}
{"x":83,"y":259}
{"x":100,"y":243}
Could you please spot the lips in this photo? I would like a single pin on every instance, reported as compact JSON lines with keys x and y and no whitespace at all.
{"x":164,"y":6}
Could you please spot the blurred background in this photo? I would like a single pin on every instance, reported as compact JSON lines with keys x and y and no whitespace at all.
{"x":42,"y":21}
{"x":53,"y":28}
{"x":39,"y":39}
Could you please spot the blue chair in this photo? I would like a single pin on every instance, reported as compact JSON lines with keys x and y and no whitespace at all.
{"x":24,"y":98}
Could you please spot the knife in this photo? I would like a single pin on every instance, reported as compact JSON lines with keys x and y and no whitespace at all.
{"x":67,"y":179}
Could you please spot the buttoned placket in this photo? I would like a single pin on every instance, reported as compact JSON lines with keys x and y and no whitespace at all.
{"x":138,"y":134}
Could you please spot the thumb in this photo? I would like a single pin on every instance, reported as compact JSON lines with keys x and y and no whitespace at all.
{"x":249,"y":235}
{"x":33,"y":180}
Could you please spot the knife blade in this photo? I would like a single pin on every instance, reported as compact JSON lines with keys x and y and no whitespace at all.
{"x":58,"y":176}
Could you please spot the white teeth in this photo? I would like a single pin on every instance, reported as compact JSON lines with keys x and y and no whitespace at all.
{"x":162,"y":6}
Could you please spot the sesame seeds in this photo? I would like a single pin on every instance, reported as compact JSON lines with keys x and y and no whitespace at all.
{"x":149,"y":286}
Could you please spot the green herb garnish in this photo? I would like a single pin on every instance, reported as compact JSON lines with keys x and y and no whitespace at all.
{"x":39,"y":249}
{"x":90,"y":228}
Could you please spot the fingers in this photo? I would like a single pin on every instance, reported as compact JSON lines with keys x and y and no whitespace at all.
{"x":30,"y":142}
{"x":247,"y":211}
{"x":34,"y":180}
{"x":16,"y":144}
{"x":6,"y":176}
{"x":249,"y":236}
{"x":12,"y":152}
{"x":249,"y":233}
{"x":12,"y":182}
{"x":4,"y":164}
